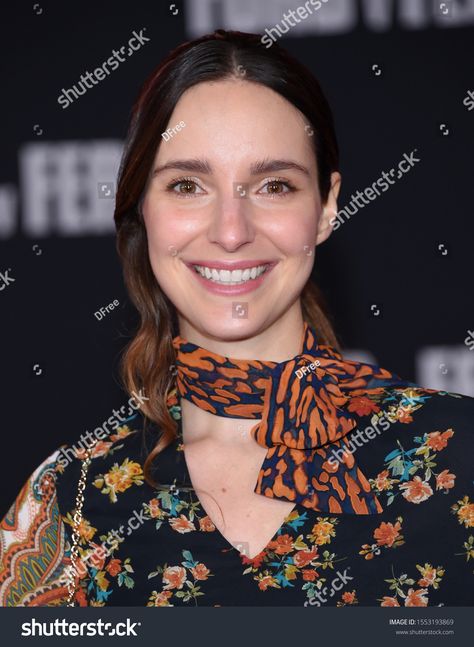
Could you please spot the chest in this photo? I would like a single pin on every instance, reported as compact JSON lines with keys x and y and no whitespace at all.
{"x":224,"y":479}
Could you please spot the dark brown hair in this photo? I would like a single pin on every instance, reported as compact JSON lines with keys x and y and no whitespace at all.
{"x":147,"y":359}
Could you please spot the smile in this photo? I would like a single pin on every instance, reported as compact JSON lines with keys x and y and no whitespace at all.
{"x":228,"y":277}
{"x":234,"y":278}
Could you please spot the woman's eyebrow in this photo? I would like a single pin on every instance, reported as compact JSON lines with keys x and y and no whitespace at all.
{"x":270,"y":166}
{"x":257,"y":168}
{"x":189,"y":165}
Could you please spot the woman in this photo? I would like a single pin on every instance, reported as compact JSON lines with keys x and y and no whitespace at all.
{"x":262,"y":468}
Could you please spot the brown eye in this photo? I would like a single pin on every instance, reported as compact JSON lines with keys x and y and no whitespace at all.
{"x":278,"y":187}
{"x":186,"y":187}
{"x":275,"y":187}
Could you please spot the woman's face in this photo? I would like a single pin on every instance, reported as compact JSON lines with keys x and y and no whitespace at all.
{"x":234,"y":191}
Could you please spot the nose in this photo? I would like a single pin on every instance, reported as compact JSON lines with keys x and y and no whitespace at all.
{"x":231,"y":223}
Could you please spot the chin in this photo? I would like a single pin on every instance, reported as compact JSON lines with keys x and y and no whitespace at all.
{"x":227,"y":329}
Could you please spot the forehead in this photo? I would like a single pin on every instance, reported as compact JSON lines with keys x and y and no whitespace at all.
{"x":233,"y":119}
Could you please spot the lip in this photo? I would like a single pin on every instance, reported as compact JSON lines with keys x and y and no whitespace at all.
{"x":231,"y":290}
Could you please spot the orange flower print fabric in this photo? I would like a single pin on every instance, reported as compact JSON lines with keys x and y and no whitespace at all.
{"x":146,"y":546}
{"x":180,"y":582}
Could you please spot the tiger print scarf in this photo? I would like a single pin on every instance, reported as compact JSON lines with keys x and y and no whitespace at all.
{"x":305,"y":409}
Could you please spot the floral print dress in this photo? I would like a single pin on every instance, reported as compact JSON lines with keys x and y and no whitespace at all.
{"x":141,"y":546}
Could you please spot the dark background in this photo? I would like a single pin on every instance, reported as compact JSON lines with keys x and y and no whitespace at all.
{"x":388,"y":253}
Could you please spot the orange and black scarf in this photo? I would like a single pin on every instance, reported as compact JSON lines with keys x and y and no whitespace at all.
{"x":304,"y":407}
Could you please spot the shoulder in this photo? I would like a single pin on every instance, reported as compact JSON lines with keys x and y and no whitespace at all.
{"x":376,"y":394}
{"x":115,"y":459}
{"x":35,"y":540}
{"x":411,"y":402}
{"x":103,"y":447}
{"x":374,"y":388}
{"x":406,"y":430}
{"x":391,"y":400}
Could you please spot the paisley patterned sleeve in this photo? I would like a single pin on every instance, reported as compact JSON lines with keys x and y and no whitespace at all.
{"x":34,"y":543}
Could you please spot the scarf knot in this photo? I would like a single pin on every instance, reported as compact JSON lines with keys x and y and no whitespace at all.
{"x":303,"y":407}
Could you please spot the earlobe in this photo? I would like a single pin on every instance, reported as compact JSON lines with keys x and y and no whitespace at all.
{"x":325,"y":225}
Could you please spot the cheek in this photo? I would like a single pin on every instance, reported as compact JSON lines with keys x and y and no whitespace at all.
{"x":161,"y":246}
{"x":167,"y":237}
{"x":166,"y":233}
{"x":163,"y":257}
{"x":294,"y":234}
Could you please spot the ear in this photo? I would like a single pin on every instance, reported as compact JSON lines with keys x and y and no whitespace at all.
{"x":329,"y":211}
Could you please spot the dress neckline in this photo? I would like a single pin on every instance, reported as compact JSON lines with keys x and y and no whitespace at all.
{"x":182,"y":481}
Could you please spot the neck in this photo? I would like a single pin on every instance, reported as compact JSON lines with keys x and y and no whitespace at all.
{"x":201,"y":426}
{"x":276,"y":342}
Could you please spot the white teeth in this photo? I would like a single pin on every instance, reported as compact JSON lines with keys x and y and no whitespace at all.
{"x":230,"y":278}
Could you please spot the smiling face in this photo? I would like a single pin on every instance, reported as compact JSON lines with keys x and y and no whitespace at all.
{"x":233,"y":211}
